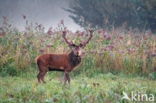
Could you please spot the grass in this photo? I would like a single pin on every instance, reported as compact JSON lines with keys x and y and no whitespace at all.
{"x":104,"y":88}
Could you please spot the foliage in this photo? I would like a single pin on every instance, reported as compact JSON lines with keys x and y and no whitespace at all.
{"x":110,"y":13}
{"x":115,"y":51}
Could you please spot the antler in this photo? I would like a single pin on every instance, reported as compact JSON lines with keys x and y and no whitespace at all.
{"x":70,"y":43}
{"x":83,"y":44}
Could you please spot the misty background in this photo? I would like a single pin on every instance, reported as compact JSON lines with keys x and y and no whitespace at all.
{"x":78,"y":14}
{"x":46,"y":12}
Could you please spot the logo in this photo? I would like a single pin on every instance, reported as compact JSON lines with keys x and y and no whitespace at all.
{"x":138,"y":96}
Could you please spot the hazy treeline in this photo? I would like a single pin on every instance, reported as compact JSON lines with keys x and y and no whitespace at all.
{"x":114,"y":13}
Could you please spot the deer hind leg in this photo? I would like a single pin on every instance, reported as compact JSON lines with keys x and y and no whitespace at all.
{"x":41,"y":74}
{"x":66,"y":77}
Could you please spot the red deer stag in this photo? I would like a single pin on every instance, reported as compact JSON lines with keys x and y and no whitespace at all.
{"x":61,"y":62}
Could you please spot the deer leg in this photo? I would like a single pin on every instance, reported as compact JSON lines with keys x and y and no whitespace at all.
{"x":66,"y":77}
{"x":43,"y":75}
{"x":39,"y":77}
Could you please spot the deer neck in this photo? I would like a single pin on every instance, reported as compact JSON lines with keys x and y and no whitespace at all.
{"x":74,"y":60}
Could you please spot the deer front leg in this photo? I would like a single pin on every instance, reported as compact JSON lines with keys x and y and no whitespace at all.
{"x":66,"y":77}
{"x":43,"y":75}
{"x":39,"y":77}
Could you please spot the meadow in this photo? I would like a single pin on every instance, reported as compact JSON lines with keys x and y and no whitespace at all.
{"x":115,"y":60}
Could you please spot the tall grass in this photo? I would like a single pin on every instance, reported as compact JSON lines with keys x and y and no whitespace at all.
{"x":116,"y":51}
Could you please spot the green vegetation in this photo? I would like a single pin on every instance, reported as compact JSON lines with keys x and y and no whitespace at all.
{"x":114,"y":61}
{"x":113,"y":51}
{"x":104,"y":88}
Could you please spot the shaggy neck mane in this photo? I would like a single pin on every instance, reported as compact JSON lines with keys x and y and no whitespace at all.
{"x":74,"y":59}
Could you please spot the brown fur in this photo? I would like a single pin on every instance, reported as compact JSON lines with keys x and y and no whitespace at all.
{"x":56,"y":62}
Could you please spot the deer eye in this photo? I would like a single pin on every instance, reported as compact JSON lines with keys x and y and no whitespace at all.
{"x":73,"y":45}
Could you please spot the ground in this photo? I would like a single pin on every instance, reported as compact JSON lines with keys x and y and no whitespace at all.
{"x":103,"y":88}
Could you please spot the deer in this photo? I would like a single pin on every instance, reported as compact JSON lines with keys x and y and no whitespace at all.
{"x":61,"y":62}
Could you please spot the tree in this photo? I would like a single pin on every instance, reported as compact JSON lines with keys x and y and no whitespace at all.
{"x":150,"y":7}
{"x":108,"y":13}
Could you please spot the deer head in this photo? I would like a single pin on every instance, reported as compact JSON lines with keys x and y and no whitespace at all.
{"x":77,"y":49}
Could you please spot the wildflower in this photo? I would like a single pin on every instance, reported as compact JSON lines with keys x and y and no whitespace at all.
{"x":2,"y":34}
{"x":42,"y":40}
{"x":131,"y":50}
{"x":49,"y":46}
{"x":50,"y":32}
{"x":41,"y":50}
{"x":121,"y":51}
{"x":110,"y":47}
{"x":120,"y":37}
{"x":153,"y":55}
{"x":107,"y":36}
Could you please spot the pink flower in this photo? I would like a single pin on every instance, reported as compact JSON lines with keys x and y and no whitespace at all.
{"x":120,"y":37}
{"x":50,"y":32}
{"x":41,"y":50}
{"x":49,"y":46}
{"x":107,"y":36}
{"x":110,"y":47}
